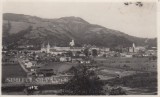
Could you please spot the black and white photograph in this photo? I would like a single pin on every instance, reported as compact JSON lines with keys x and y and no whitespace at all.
{"x":79,"y":48}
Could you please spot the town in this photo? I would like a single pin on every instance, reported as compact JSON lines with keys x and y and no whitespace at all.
{"x":59,"y":62}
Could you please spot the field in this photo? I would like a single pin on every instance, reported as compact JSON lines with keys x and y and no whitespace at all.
{"x":135,"y":75}
{"x":59,"y":66}
{"x":136,"y":64}
{"x":106,"y":73}
{"x":138,"y":76}
{"x":12,"y":70}
{"x":140,"y":83}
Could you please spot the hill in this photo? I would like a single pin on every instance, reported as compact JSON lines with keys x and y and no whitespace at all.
{"x":19,"y":29}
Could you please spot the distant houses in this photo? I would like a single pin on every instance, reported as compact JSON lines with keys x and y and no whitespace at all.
{"x":76,"y":54}
{"x":135,"y":49}
{"x":120,"y":51}
{"x":59,"y":50}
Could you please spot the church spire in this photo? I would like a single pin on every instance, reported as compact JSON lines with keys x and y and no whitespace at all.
{"x":48,"y":48}
{"x":72,"y":43}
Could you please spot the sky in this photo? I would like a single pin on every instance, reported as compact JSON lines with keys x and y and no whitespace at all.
{"x":131,"y":19}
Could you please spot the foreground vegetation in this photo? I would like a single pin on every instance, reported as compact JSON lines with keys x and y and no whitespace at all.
{"x":139,"y":80}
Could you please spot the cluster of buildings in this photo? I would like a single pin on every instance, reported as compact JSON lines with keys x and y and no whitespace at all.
{"x":142,"y":51}
{"x":52,"y":61}
{"x":72,"y":53}
{"x":134,"y":51}
{"x":60,"y":50}
{"x":102,"y":51}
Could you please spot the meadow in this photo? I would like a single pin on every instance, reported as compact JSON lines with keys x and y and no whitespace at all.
{"x":12,"y":70}
{"x":136,"y":64}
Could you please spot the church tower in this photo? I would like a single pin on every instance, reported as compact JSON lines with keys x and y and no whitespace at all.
{"x":133,"y":46}
{"x":48,"y":48}
{"x":72,"y":43}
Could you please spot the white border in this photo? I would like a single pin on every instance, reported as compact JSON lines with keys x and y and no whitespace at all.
{"x":158,"y":29}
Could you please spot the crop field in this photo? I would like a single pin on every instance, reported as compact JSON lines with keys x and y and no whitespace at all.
{"x":115,"y":72}
{"x":136,"y":64}
{"x":109,"y":68}
{"x":138,"y":76}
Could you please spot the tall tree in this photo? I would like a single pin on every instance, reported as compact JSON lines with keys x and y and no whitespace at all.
{"x":86,"y":52}
{"x":94,"y":52}
{"x":84,"y":82}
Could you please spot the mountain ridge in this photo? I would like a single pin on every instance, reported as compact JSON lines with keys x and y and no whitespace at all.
{"x":23,"y":29}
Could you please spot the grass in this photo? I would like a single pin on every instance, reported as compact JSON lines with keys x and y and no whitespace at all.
{"x":147,"y":80}
{"x":140,"y":80}
{"x":137,"y":64}
{"x":59,"y":66}
{"x":12,"y":70}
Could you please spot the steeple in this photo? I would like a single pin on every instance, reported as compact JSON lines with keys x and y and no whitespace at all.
{"x":48,"y":48}
{"x":72,"y":43}
{"x":133,"y":45}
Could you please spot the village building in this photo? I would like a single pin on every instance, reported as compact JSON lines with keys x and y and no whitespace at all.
{"x":136,"y":49}
{"x":59,"y":50}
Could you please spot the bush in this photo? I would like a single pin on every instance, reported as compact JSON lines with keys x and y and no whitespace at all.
{"x":84,"y":82}
{"x":117,"y":91}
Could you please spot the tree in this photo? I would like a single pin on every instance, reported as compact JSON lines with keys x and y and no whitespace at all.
{"x":78,"y":53}
{"x":84,"y":82}
{"x":104,"y":55}
{"x":86,"y":52}
{"x":117,"y":91}
{"x":94,"y":52}
{"x":69,"y":53}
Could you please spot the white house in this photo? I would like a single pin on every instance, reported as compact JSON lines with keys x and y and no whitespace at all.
{"x":63,"y":59}
{"x":29,"y":65}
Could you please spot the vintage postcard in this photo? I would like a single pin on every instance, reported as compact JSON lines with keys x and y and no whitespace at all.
{"x":80,"y":48}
